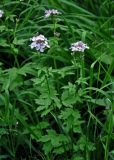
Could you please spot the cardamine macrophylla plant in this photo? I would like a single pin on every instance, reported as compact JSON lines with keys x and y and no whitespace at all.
{"x":40,"y":43}
{"x":78,"y":47}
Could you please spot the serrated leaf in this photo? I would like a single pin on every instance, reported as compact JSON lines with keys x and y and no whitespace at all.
{"x":101,"y":102}
{"x":68,"y":99}
{"x":40,"y":108}
{"x":2,"y":28}
{"x":47,"y":147}
{"x":4,"y":43}
{"x":19,"y":42}
{"x":43,"y":102}
{"x":45,"y":112}
{"x":59,"y":150}
{"x":3,"y":131}
{"x":57,"y":102}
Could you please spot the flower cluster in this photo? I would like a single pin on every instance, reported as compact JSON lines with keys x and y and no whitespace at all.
{"x":50,"y":12}
{"x":1,"y":13}
{"x":40,"y":43}
{"x":78,"y":46}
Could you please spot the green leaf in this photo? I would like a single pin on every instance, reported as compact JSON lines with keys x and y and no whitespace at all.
{"x":19,"y":42}
{"x":3,"y":43}
{"x":101,"y":102}
{"x":47,"y":148}
{"x":57,"y":102}
{"x":2,"y":28}
{"x":3,"y":131}
{"x":68,"y":99}
{"x":43,"y":101}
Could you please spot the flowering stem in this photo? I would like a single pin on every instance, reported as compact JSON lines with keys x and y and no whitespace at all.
{"x":54,"y":31}
{"x":74,"y":59}
{"x":55,"y":22}
{"x":54,"y":25}
{"x":82,"y":70}
{"x":75,"y":63}
{"x":16,"y":61}
{"x":82,"y":66}
{"x":55,"y":64}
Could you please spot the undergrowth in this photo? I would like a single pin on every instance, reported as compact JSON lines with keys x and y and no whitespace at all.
{"x":57,"y":104}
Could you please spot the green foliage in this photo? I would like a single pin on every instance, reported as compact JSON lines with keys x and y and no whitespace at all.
{"x":56,"y":105}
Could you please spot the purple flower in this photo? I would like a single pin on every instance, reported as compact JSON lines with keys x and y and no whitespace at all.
{"x":40,"y":43}
{"x":78,"y":46}
{"x":1,"y":13}
{"x":50,"y":12}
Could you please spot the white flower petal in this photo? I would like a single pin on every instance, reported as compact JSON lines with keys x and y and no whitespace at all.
{"x":51,"y":12}
{"x":40,"y":43}
{"x":1,"y":13}
{"x":78,"y":46}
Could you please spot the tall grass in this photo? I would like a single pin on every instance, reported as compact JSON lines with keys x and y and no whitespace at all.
{"x":55,"y":105}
